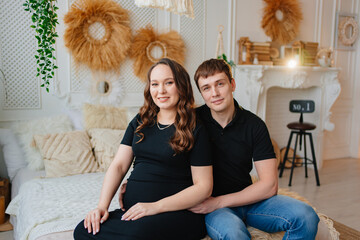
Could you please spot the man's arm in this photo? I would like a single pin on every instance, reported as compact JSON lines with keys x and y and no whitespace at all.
{"x":264,"y":188}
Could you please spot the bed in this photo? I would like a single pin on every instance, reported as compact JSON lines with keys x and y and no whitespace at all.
{"x":48,"y":204}
{"x":56,"y":166}
{"x":44,"y":206}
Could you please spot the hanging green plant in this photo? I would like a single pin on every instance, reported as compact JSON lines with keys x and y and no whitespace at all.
{"x":231,"y":62}
{"x":44,"y":20}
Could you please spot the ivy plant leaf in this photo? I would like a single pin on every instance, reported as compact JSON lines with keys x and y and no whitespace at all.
{"x":44,"y":20}
{"x":224,"y":57}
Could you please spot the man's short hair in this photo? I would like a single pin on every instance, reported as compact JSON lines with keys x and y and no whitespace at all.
{"x":211,"y":67}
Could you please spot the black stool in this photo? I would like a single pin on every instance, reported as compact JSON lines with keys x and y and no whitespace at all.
{"x":300,"y":130}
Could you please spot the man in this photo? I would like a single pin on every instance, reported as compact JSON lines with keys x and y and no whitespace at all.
{"x":238,"y":139}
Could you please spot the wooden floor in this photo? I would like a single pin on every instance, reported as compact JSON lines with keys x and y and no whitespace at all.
{"x":338,"y":196}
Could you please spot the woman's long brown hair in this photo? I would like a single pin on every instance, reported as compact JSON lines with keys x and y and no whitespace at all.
{"x":185,"y":120}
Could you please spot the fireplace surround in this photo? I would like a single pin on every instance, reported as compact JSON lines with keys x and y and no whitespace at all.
{"x":253,"y":83}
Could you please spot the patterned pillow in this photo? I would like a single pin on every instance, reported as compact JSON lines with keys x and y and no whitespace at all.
{"x":100,"y":116}
{"x":66,"y":153}
{"x":105,"y":142}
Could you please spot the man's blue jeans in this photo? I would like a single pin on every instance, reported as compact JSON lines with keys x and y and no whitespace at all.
{"x":278,"y":213}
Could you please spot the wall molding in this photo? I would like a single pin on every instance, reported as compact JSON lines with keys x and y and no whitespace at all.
{"x":355,"y":133}
{"x":232,"y":30}
{"x":318,"y":21}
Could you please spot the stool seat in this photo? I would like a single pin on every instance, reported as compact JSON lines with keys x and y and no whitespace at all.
{"x":301,"y":126}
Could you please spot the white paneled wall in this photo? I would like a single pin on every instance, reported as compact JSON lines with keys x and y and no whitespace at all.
{"x":344,"y":140}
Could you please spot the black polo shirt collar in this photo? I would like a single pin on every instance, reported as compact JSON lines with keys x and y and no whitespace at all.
{"x":205,"y":114}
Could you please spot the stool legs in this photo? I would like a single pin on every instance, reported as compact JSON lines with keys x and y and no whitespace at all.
{"x":314,"y":160}
{"x":294,"y":157}
{"x":300,"y":134}
{"x":286,"y":154}
{"x":305,"y":157}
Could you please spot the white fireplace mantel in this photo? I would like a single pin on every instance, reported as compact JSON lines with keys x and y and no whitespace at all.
{"x":254,"y":81}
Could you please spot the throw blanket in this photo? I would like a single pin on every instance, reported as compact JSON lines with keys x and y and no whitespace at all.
{"x":51,"y":205}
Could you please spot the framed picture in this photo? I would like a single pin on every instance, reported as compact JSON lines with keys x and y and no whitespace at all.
{"x":347,"y":31}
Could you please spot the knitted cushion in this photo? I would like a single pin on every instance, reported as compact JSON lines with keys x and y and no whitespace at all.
{"x":105,"y":143}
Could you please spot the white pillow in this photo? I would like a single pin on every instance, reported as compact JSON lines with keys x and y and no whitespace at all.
{"x":25,"y":130}
{"x":13,"y":154}
{"x":76,"y":118}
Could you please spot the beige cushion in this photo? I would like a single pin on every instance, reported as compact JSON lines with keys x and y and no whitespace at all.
{"x":66,"y":153}
{"x":100,"y":116}
{"x":105,"y":142}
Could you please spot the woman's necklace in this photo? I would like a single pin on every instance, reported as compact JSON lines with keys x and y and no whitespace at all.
{"x":162,"y":128}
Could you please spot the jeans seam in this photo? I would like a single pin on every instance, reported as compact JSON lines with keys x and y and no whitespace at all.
{"x":276,"y":217}
{"x":215,"y":230}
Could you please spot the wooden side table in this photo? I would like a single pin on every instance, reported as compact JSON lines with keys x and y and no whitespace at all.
{"x":5,"y":225}
{"x":2,"y":209}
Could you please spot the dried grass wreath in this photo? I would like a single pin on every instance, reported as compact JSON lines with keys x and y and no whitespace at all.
{"x":281,"y":20}
{"x":170,"y":43}
{"x":98,"y":33}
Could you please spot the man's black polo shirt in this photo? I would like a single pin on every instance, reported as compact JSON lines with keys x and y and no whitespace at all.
{"x":244,"y":139}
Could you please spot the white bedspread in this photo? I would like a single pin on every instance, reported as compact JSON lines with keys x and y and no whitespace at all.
{"x":50,"y":205}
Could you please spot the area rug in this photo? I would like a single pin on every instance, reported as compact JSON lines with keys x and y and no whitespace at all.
{"x":346,"y":233}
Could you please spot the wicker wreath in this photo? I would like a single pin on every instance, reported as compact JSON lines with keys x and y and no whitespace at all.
{"x":281,"y":20}
{"x":343,"y":25}
{"x":99,"y":53}
{"x":171,"y":44}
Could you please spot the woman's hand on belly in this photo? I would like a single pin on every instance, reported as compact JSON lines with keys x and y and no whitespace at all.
{"x":140,"y":210}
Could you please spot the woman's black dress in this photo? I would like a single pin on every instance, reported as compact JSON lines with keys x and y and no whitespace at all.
{"x":157,"y":173}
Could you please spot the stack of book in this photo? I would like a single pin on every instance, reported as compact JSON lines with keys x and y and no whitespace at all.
{"x":261,"y":51}
{"x":279,"y":61}
{"x":309,"y":53}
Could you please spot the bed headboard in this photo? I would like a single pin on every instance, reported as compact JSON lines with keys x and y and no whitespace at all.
{"x":3,"y":171}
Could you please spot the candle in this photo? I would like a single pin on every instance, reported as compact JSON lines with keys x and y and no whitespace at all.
{"x":282,"y":52}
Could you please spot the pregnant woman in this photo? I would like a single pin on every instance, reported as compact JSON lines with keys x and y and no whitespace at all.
{"x":172,"y":167}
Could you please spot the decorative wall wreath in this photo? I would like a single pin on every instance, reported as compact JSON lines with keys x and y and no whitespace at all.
{"x":98,"y":33}
{"x":281,"y":20}
{"x":170,"y":44}
{"x":345,"y":23}
{"x":105,"y":89}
